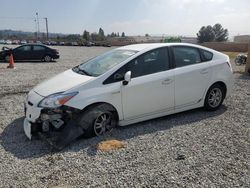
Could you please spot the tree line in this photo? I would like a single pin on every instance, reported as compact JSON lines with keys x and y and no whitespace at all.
{"x":100,"y":36}
{"x":214,"y":33}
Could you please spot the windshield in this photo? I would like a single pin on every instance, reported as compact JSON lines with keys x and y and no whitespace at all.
{"x":101,"y":64}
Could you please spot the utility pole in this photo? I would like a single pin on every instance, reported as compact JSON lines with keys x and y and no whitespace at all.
{"x":47,"y":28}
{"x":38,"y":28}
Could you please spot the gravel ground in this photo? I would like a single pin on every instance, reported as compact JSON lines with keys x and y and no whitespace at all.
{"x":190,"y":149}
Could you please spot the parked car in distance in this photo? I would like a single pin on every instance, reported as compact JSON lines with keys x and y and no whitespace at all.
{"x":23,"y":42}
{"x":8,"y":42}
{"x":2,"y":41}
{"x":127,"y":85}
{"x":62,"y":43}
{"x":30,"y":52}
{"x":16,"y":42}
{"x":53,"y":43}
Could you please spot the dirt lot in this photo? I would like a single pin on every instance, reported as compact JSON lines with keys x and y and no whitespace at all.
{"x":190,"y":149}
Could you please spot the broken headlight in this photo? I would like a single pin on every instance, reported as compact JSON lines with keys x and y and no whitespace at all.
{"x":56,"y":100}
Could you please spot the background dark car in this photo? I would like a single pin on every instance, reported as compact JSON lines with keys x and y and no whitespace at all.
{"x":30,"y":52}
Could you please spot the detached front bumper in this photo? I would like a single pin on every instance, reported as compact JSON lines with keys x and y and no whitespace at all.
{"x":32,"y":112}
{"x":44,"y":120}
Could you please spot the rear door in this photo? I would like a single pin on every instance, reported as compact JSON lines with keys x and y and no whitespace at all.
{"x":38,"y":52}
{"x":192,"y":75}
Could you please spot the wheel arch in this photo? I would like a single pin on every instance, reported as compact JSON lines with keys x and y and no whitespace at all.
{"x":222,"y":84}
{"x":92,"y":105}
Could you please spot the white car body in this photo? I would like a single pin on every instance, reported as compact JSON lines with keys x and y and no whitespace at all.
{"x":143,"y":98}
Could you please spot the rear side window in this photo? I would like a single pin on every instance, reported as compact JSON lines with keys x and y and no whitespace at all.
{"x":206,"y":55}
{"x":38,"y":48}
{"x":186,"y":56}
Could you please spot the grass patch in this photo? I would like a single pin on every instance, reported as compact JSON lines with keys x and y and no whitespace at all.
{"x":232,"y":55}
{"x":110,"y":145}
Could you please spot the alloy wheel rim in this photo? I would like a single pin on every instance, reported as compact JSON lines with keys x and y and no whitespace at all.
{"x":215,"y":97}
{"x":102,"y":124}
{"x":47,"y":58}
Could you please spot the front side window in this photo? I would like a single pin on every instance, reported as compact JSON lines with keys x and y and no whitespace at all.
{"x":186,"y":56}
{"x":101,"y":64}
{"x":149,"y":63}
{"x":24,"y":48}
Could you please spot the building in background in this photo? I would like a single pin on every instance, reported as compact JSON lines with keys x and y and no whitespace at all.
{"x":242,"y":38}
{"x":192,"y":40}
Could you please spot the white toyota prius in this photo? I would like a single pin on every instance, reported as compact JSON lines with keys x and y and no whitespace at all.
{"x":127,"y":85}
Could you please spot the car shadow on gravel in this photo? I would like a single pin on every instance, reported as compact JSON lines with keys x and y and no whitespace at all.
{"x":14,"y":140}
{"x":243,"y":77}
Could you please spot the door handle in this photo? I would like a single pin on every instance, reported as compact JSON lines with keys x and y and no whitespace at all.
{"x":204,"y":71}
{"x":167,"y":81}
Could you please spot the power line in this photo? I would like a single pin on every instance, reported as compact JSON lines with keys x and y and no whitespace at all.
{"x":25,"y":18}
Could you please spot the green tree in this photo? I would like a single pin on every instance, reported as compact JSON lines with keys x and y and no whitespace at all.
{"x":123,"y":34}
{"x":216,"y":33}
{"x":86,"y":35}
{"x":221,"y":34}
{"x":146,"y":35}
{"x":95,"y":37}
{"x":101,"y":34}
{"x":206,"y":34}
{"x":172,"y":39}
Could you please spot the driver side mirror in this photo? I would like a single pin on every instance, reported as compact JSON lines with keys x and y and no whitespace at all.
{"x":127,"y":78}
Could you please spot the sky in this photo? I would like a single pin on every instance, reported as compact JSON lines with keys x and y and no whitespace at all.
{"x":134,"y":17}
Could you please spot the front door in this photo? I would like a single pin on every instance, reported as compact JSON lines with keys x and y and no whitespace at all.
{"x":23,"y":52}
{"x":151,"y":89}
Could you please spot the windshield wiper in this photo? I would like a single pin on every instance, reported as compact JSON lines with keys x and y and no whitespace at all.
{"x":81,"y":71}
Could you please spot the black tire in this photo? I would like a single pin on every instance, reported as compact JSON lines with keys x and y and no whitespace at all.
{"x":47,"y":58}
{"x":88,"y":119}
{"x":214,"y":97}
{"x":7,"y":58}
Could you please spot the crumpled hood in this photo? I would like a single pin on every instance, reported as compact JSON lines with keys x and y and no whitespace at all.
{"x":61,"y":83}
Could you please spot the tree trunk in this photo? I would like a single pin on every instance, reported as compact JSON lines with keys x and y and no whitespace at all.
{"x":247,"y":68}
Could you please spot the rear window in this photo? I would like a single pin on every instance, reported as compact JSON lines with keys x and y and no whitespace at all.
{"x":206,"y":55}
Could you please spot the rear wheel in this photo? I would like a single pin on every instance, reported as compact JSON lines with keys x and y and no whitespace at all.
{"x":47,"y":58}
{"x":214,"y":97}
{"x":98,"y":120}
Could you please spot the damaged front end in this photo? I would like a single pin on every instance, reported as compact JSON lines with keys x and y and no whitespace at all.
{"x":55,"y":125}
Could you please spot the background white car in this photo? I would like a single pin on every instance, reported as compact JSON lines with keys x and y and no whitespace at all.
{"x":128,"y":85}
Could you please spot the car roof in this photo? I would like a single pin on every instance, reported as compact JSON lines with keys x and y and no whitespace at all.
{"x":33,"y":44}
{"x":149,"y":46}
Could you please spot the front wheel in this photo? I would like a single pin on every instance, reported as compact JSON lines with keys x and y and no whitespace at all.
{"x":97,"y":120}
{"x":214,"y":97}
